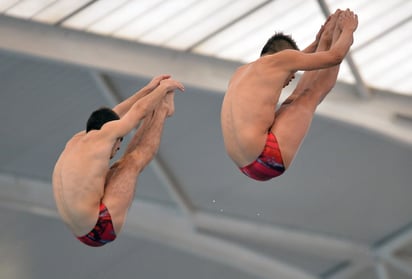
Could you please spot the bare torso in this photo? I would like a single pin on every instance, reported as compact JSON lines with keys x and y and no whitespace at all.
{"x":79,"y":178}
{"x":248,"y":109}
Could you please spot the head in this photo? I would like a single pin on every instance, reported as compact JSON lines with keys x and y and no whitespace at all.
{"x":98,"y":118}
{"x":279,"y":42}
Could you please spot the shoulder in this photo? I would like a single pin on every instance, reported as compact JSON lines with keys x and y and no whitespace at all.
{"x":293,"y":60}
{"x":78,"y":136}
{"x":110,"y":131}
{"x":281,"y":59}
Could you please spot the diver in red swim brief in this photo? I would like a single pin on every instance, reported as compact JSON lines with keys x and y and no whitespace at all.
{"x":269,"y":164}
{"x":103,"y":232}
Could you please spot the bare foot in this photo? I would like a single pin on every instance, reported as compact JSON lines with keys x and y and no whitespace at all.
{"x":328,"y":32}
{"x":169,"y":103}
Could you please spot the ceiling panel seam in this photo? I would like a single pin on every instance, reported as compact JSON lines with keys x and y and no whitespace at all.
{"x":227,"y":25}
{"x":75,"y":12}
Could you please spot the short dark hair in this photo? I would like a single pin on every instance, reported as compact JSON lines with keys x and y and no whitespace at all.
{"x":99,"y":117}
{"x":279,"y":42}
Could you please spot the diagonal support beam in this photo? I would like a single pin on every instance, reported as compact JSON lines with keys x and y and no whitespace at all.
{"x":176,"y":192}
{"x":398,"y":264}
{"x":348,"y":271}
{"x":387,"y":251}
{"x":105,"y":88}
{"x":228,"y":25}
{"x":381,"y":270}
{"x":397,"y":241}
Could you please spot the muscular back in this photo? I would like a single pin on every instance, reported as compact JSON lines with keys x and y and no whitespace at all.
{"x":248,"y":109}
{"x":78,"y":179}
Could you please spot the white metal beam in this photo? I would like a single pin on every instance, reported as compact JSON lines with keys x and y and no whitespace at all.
{"x":303,"y":242}
{"x":396,"y":242}
{"x":112,"y":97}
{"x":348,"y":272}
{"x":381,"y":270}
{"x":150,"y":221}
{"x":400,"y":265}
{"x":387,"y":251}
{"x":105,"y":53}
{"x":176,"y":193}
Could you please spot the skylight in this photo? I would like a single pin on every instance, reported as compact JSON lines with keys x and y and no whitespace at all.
{"x":237,"y":29}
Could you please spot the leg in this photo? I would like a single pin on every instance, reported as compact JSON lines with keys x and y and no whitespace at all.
{"x":293,"y":119}
{"x":169,"y":100}
{"x":325,"y":42}
{"x":122,"y":177}
{"x":293,"y":122}
{"x":139,"y":133}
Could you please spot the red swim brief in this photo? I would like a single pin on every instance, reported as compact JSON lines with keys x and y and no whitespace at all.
{"x":103,"y":232}
{"x":269,"y":164}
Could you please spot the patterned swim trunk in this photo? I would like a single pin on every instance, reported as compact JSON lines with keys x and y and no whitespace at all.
{"x":103,"y":232}
{"x":269,"y":164}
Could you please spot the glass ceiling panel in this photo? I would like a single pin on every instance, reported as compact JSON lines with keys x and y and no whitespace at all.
{"x":27,"y":9}
{"x":371,"y":28}
{"x":59,"y":10}
{"x":122,"y":16}
{"x":7,"y":4}
{"x":392,"y":51}
{"x":211,"y":23}
{"x":382,"y":42}
{"x":92,"y":14}
{"x":380,"y":52}
{"x":151,"y":19}
{"x":180,"y":22}
{"x":242,"y":29}
{"x":254,"y":41}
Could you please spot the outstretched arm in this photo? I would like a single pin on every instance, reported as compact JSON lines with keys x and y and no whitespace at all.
{"x":122,"y":108}
{"x":141,"y":108}
{"x":291,"y":60}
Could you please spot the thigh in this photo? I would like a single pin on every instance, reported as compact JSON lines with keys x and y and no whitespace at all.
{"x":292,"y":122}
{"x":120,"y":189}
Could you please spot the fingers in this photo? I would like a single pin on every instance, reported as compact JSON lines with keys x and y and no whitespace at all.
{"x":156,"y":80}
{"x":180,"y":86}
{"x":171,"y":85}
{"x":349,"y":20}
{"x":162,"y":77}
{"x":349,"y":13}
{"x":166,"y":81}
